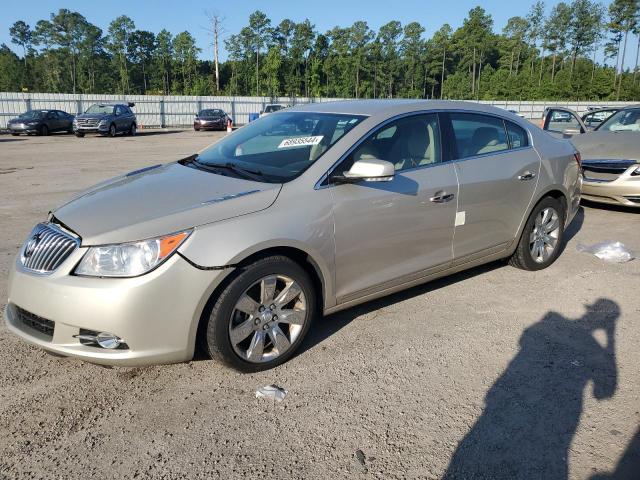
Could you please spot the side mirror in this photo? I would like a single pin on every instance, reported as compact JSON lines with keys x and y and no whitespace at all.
{"x":570,"y":132}
{"x":372,"y":170}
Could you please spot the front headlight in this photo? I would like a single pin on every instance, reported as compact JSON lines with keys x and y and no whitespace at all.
{"x":102,"y":123}
{"x":129,"y":259}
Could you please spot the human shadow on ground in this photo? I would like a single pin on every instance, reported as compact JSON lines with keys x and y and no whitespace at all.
{"x":628,"y":467}
{"x":532,"y":411}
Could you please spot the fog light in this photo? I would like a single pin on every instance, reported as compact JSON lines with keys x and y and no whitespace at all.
{"x":102,"y":339}
{"x":108,"y":340}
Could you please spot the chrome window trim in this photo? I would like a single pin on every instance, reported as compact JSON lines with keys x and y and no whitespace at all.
{"x":318,"y":185}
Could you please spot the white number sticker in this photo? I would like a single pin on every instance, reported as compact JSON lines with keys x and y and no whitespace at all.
{"x":300,"y":141}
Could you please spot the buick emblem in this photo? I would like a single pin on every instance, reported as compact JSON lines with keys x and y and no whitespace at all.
{"x":31,"y":245}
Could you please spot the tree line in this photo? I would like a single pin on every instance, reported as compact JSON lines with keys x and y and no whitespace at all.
{"x":576,"y":50}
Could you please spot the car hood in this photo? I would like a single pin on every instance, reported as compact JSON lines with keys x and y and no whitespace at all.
{"x":608,"y":145}
{"x":90,"y":116}
{"x":159,"y":200}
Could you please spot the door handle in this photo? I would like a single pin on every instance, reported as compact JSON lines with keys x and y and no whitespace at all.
{"x":526,"y":176}
{"x":442,"y":197}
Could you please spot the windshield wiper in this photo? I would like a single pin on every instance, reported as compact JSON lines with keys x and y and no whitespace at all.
{"x":243,"y":172}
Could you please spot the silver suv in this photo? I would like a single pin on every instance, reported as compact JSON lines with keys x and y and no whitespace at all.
{"x":307,"y":211}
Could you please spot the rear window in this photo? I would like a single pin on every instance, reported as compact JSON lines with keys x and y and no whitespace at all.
{"x":478,"y":134}
{"x":518,"y":137}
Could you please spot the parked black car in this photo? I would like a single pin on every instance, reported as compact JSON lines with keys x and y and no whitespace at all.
{"x":106,"y":119}
{"x":210,"y":119}
{"x":41,"y":122}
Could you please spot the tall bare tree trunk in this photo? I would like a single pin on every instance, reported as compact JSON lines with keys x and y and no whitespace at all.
{"x":553,"y":68}
{"x":473,"y":73}
{"x":541,"y":67}
{"x":635,"y":70}
{"x":216,"y":33}
{"x":444,"y":57}
{"x":624,"y":52}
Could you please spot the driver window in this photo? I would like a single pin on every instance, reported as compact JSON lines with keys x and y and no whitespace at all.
{"x":409,"y":142}
{"x":119,"y":111}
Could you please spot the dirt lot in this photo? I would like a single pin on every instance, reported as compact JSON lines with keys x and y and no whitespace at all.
{"x":488,"y":366}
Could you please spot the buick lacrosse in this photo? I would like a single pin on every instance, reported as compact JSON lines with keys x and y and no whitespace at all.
{"x":301,"y":213}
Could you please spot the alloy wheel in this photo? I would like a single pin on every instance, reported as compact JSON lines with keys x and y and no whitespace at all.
{"x":268,"y":318}
{"x":543,"y":239}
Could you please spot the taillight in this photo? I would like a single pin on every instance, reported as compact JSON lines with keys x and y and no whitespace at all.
{"x":578,"y":158}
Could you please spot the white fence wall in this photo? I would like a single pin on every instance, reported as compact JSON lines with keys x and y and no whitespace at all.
{"x":178,"y":111}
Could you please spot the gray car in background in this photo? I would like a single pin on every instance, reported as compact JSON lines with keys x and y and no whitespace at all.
{"x":305,"y":212}
{"x":106,"y":119}
{"x":610,"y":153}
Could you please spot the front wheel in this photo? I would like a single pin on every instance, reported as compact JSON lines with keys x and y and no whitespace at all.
{"x":261,"y":317}
{"x":112,"y":130}
{"x":79,"y":134}
{"x":541,"y":238}
{"x":44,"y":130}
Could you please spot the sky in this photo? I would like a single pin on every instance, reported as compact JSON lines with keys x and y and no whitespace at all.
{"x":177,"y":16}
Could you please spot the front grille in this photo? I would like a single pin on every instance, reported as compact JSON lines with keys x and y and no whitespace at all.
{"x":34,"y":321}
{"x":46,"y":248}
{"x":87,"y":122}
{"x":605,"y":170}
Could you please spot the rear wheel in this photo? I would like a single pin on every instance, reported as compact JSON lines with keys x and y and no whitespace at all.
{"x":542,"y":236}
{"x":132,"y":130}
{"x":262,"y":316}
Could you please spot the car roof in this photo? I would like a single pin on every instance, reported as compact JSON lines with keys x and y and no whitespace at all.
{"x":396,"y":106}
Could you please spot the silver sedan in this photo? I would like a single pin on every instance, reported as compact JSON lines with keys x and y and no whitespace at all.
{"x":239,"y":248}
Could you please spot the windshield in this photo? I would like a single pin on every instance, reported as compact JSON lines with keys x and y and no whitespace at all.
{"x":34,"y":114}
{"x":282,"y":146}
{"x":100,"y":109}
{"x":272,"y":108}
{"x":622,"y":121}
{"x":211,"y":113}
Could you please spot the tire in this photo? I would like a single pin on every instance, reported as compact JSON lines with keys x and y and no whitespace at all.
{"x":538,"y":228}
{"x":132,"y":130}
{"x":15,"y":134}
{"x":112,"y":130}
{"x":197,"y":129}
{"x":224,"y":316}
{"x":44,"y":131}
{"x":79,"y":134}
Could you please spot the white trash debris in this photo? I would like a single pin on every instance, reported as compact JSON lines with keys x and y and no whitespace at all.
{"x":271,"y":391}
{"x":608,"y":251}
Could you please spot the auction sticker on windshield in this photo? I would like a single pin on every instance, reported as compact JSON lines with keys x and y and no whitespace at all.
{"x":300,"y":141}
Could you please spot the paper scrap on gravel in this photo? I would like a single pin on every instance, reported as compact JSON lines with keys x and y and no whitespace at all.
{"x":609,"y":251}
{"x":271,"y":392}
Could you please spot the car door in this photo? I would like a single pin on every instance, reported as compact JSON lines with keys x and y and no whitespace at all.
{"x":51,"y":120}
{"x":388,"y":233}
{"x":61,"y":120}
{"x":563,"y":122}
{"x":498,"y":171}
{"x":120,"y":118}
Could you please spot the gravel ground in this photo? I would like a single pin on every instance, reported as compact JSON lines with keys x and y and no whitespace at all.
{"x":493,"y":372}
